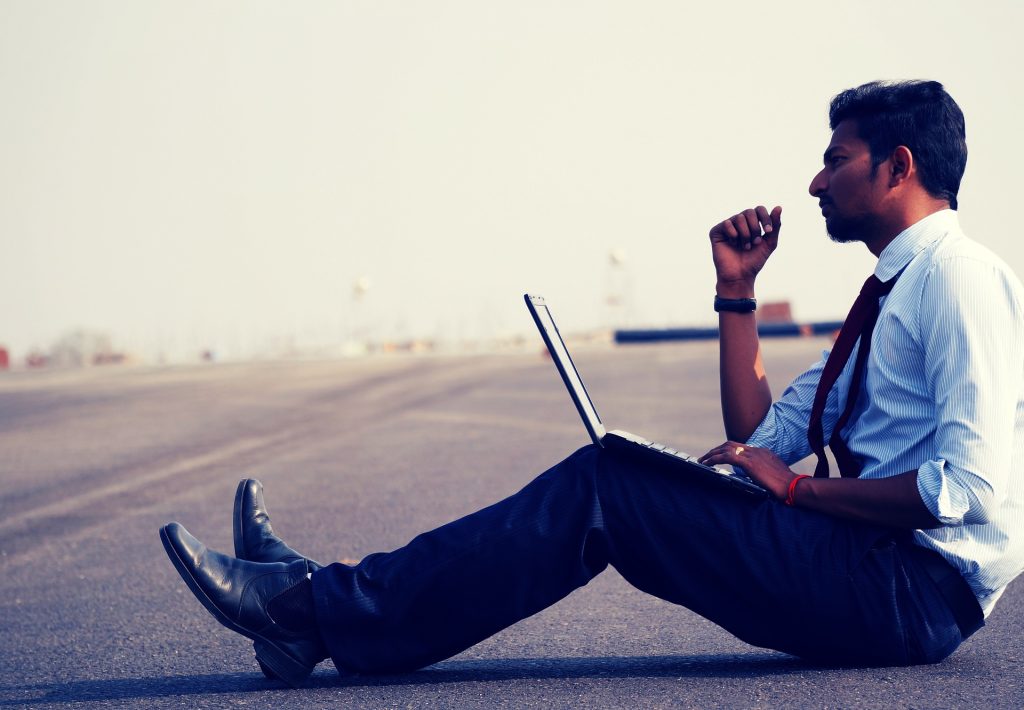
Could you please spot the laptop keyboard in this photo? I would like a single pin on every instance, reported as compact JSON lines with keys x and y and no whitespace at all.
{"x":662,"y":449}
{"x":668,"y":450}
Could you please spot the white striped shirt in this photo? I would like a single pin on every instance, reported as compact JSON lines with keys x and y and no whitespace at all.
{"x":944,"y":396}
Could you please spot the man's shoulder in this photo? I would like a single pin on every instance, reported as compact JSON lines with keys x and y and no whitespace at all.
{"x":958,"y":253}
{"x":956,"y":244}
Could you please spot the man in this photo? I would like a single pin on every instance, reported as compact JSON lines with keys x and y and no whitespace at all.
{"x":895,"y":562}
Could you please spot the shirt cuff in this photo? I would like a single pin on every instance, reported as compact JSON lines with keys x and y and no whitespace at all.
{"x":945,"y":498}
{"x":766,"y":433}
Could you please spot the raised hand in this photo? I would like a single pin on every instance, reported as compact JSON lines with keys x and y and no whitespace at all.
{"x":740,"y":246}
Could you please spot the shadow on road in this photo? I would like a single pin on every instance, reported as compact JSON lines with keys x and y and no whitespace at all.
{"x":507,"y":669}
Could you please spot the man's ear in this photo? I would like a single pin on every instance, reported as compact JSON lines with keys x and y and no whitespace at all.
{"x":901,"y":165}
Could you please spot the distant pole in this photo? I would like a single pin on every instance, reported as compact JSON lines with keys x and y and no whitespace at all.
{"x":360,"y":288}
{"x":617,"y":292}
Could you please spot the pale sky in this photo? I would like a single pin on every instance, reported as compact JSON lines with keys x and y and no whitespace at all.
{"x":218,"y":174}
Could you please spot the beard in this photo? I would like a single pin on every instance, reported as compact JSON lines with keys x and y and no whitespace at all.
{"x":859,"y":225}
{"x":845,"y":229}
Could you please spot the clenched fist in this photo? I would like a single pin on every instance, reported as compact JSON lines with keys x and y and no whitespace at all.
{"x":740,"y":246}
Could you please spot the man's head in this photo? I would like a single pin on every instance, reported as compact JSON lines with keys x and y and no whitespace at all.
{"x":905,"y":141}
{"x":917,"y":114}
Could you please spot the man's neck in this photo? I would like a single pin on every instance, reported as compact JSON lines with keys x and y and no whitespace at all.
{"x":892,"y":228}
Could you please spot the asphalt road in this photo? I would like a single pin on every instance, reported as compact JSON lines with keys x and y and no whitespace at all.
{"x":359,"y":456}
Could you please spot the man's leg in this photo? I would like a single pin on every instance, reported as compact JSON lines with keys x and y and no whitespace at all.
{"x":797,"y":581}
{"x":455,"y":586}
{"x":774,"y":576}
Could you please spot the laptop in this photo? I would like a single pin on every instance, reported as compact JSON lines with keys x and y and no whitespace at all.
{"x":623,"y":441}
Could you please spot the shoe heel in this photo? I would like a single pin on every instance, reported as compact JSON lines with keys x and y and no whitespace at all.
{"x":267,"y":673}
{"x":276,"y":664}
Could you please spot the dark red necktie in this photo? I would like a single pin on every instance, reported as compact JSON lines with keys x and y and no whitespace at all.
{"x":858,"y":325}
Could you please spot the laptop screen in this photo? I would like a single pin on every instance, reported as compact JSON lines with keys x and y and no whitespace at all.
{"x":559,"y":353}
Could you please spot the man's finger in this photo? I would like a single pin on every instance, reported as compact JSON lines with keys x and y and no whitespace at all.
{"x":720,"y":458}
{"x":765,"y":219}
{"x":753,"y":224}
{"x":742,"y":228}
{"x":729,"y":447}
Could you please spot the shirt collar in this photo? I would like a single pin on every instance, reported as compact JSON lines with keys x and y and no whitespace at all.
{"x":912,"y":240}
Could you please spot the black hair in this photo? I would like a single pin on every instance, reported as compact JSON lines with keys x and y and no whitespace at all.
{"x":917,"y":114}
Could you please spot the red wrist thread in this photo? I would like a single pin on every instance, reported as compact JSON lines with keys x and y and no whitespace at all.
{"x":792,"y":488}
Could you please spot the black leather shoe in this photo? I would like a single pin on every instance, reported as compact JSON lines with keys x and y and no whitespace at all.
{"x":254,"y":538}
{"x":238,"y":592}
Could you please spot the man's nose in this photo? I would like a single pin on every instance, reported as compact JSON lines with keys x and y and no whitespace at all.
{"x":819,"y":184}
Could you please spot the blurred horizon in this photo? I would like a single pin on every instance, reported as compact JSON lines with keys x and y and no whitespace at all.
{"x":235,"y":177}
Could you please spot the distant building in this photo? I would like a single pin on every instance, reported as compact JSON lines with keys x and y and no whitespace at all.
{"x":36,"y":359}
{"x":775,"y":312}
{"x":81,"y":348}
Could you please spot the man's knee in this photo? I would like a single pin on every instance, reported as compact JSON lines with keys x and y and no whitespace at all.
{"x":582,"y":463}
{"x":587,"y":456}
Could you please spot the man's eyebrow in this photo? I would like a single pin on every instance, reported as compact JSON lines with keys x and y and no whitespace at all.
{"x":828,"y":153}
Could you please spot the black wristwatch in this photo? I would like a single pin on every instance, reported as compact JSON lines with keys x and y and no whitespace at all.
{"x":735,"y":305}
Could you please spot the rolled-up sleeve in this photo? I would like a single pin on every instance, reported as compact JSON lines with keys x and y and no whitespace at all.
{"x":974,"y":358}
{"x":784,"y":428}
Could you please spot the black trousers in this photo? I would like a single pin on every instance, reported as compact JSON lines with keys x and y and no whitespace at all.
{"x":777,"y":577}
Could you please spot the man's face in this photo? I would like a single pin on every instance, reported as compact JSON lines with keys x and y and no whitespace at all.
{"x":847,"y":188}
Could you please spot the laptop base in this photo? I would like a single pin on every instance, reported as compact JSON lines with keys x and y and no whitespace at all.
{"x":661,"y":455}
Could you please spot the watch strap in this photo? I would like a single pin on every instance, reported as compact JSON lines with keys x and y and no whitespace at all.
{"x":735,"y":305}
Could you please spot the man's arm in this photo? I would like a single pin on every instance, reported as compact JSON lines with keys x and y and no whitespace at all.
{"x":740,"y":247}
{"x":972,"y":333}
{"x":892,"y":502}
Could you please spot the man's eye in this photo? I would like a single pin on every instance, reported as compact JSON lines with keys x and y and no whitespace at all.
{"x":836,"y":159}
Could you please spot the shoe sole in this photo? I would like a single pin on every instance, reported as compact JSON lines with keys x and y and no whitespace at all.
{"x":236,"y":527}
{"x":269,"y":655}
